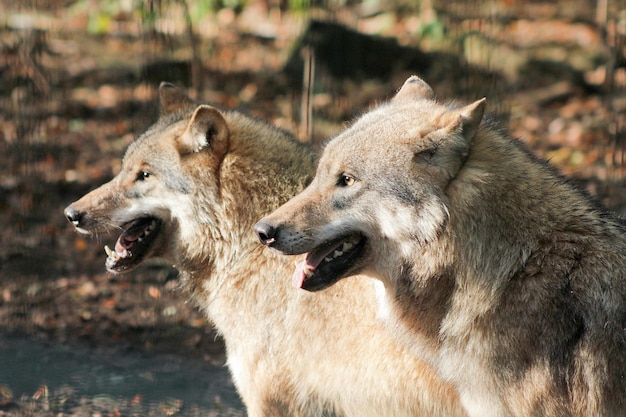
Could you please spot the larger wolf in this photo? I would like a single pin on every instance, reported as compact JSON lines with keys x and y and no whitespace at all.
{"x":190,"y":189}
{"x":503,"y":275}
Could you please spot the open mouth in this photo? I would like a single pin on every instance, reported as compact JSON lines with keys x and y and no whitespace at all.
{"x":133,"y":244}
{"x":327,"y":264}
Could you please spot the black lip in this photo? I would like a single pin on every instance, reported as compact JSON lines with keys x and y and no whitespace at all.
{"x":329,"y":273}
{"x":139,"y":250}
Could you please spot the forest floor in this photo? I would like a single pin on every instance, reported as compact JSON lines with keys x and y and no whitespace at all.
{"x":75,"y":340}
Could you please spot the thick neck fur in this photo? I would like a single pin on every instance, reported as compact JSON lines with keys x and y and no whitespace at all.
{"x":529,"y":266}
{"x":512,"y":218}
{"x":249,"y":183}
{"x":508,"y":212}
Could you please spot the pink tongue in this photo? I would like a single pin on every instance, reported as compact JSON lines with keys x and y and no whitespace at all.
{"x":125,"y":242}
{"x":119,"y":248}
{"x":298,"y":276}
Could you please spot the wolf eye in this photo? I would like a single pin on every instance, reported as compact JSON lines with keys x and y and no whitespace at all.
{"x":143,"y":175}
{"x":346,"y":180}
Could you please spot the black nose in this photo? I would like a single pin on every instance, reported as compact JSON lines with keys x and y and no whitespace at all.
{"x":74,"y":216}
{"x":266,"y":233}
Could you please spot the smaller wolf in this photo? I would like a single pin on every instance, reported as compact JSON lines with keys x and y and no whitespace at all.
{"x":190,"y":189}
{"x":496,"y":270}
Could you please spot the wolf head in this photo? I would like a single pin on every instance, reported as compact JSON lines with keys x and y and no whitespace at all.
{"x":379,"y":190}
{"x":151,"y":197}
{"x":192,"y":185}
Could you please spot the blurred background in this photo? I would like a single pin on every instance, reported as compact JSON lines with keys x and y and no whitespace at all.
{"x":78,"y":81}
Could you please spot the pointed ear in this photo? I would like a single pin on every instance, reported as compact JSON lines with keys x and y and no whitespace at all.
{"x":172,"y":98}
{"x":471,"y":116}
{"x":206,"y":127}
{"x":414,"y":88}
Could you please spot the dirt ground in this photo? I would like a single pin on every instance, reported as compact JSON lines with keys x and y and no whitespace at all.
{"x":75,"y":340}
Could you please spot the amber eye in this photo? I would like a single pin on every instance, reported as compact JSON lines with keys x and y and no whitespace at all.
{"x":346,"y":180}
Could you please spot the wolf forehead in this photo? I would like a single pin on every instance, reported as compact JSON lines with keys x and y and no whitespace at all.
{"x":400,"y":121}
{"x":416,"y":124}
{"x":155,"y":149}
{"x":167,"y":127}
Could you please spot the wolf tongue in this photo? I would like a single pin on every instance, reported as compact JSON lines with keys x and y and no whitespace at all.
{"x":298,"y":276}
{"x":303,"y":270}
{"x":306,"y":268}
{"x":123,"y":244}
{"x":126,"y":241}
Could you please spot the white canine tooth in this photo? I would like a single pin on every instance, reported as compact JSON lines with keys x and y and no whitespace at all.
{"x":139,"y":239}
{"x":337,"y":253}
{"x":308,"y":273}
{"x":328,"y":259}
{"x":346,"y":246}
{"x":111,"y":253}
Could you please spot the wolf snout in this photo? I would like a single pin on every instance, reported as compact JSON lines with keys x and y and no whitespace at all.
{"x":73,"y":215}
{"x":266,"y":232}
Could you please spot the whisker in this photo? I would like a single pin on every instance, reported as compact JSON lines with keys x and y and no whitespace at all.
{"x":116,"y":226}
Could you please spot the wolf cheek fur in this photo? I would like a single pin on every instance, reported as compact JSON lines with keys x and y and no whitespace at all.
{"x":189,"y":190}
{"x":499,"y":272}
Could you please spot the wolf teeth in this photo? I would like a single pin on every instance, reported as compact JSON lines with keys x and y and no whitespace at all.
{"x":114,"y":255}
{"x":308,"y":273}
{"x":111,"y":253}
{"x":148,"y":229}
{"x":346,"y":246}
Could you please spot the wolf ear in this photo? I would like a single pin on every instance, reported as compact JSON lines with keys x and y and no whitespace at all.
{"x":471,"y":116}
{"x":206,"y":127}
{"x":465,"y":121}
{"x":172,"y":98}
{"x":414,"y":88}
